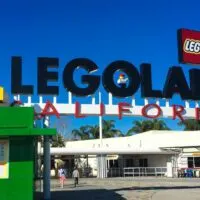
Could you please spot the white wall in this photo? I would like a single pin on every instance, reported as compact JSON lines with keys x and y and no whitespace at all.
{"x":158,"y":160}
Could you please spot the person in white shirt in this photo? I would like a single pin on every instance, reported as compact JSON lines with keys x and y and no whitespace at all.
{"x":62,"y":176}
{"x":76,"y":175}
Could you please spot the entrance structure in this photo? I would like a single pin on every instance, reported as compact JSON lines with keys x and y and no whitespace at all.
{"x":17,"y":146}
{"x":111,"y":109}
{"x":153,"y":152}
{"x":175,"y":83}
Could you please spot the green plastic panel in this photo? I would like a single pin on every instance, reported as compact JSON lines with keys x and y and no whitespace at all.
{"x":18,"y":121}
{"x":16,"y":117}
{"x":19,"y":185}
{"x":26,"y":131}
{"x":16,"y":125}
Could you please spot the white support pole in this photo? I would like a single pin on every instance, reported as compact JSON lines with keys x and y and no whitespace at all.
{"x":110,"y":98}
{"x":40,"y":99}
{"x":101,"y":166}
{"x":167,"y":103}
{"x":15,"y":97}
{"x":93,"y":100}
{"x":187,"y":104}
{"x":47,"y":164}
{"x":146,"y":101}
{"x":100,"y":124}
{"x":55,"y":99}
{"x":29,"y":99}
{"x":69,"y":97}
{"x":133,"y":101}
{"x":157,"y":102}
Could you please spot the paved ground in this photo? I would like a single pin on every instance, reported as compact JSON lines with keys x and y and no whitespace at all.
{"x":128,"y":188}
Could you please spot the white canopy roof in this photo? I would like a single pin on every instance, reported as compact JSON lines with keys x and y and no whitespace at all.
{"x":151,"y":142}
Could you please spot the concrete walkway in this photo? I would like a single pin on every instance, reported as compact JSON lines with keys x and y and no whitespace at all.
{"x":127,"y":188}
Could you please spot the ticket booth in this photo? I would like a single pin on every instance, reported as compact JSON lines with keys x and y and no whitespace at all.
{"x":17,"y":152}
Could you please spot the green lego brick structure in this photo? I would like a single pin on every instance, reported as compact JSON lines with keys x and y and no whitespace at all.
{"x":16,"y":128}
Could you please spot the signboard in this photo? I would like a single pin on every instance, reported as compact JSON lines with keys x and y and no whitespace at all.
{"x":4,"y":159}
{"x":183,"y":163}
{"x":196,"y":154}
{"x":189,"y":46}
{"x":129,"y":82}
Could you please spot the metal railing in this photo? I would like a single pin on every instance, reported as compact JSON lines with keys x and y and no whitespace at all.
{"x":144,"y":171}
{"x":136,"y":171}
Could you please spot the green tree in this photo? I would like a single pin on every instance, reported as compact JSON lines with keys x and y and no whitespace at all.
{"x":109,"y":129}
{"x":147,"y":125}
{"x":82,"y":133}
{"x":158,"y":124}
{"x":92,"y":132}
{"x":58,"y":141}
{"x":190,"y":124}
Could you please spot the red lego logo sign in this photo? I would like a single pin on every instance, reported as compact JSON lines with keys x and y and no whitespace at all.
{"x":189,"y":46}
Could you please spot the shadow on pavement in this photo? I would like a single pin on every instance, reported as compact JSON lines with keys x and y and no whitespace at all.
{"x":95,"y":194}
{"x":159,"y":188}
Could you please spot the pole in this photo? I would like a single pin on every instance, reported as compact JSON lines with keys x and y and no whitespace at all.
{"x":47,"y":164}
{"x":100,"y":124}
{"x":101,"y":142}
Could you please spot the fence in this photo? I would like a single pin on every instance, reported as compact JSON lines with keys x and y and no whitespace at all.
{"x":123,"y":172}
{"x":144,"y":171}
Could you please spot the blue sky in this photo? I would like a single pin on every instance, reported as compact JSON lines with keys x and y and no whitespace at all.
{"x":103,"y":31}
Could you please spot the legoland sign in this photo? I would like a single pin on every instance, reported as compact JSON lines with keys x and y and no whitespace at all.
{"x":128,"y":83}
{"x":175,"y":81}
{"x":151,"y":111}
{"x":189,"y":46}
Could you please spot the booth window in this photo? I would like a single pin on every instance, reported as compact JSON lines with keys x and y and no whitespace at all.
{"x":193,"y":162}
{"x":190,"y":162}
{"x":197,"y":161}
{"x":129,"y":162}
{"x":143,"y":162}
{"x":113,"y":163}
{"x":116,"y":163}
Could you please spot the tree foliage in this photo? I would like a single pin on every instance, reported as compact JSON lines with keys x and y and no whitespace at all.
{"x":57,"y":141}
{"x":147,"y":125}
{"x":92,"y":132}
{"x":82,"y":133}
{"x":109,"y":129}
{"x":190,"y":124}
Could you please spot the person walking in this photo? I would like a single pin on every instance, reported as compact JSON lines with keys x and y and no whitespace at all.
{"x":75,"y":174}
{"x":62,"y":176}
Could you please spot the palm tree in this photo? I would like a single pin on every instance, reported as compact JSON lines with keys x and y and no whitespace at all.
{"x":139,"y":127}
{"x":58,"y":141}
{"x":147,"y":125}
{"x":158,"y":124}
{"x":190,"y":124}
{"x":109,"y":129}
{"x":82,"y":133}
{"x":92,"y":132}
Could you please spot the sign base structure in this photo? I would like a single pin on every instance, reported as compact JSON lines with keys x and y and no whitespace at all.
{"x":4,"y":158}
{"x":121,"y":109}
{"x":17,"y":147}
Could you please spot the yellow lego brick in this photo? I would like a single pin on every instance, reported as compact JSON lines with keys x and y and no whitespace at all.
{"x":1,"y":94}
